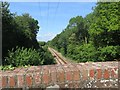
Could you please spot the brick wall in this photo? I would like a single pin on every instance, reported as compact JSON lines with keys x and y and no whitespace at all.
{"x":81,"y":75}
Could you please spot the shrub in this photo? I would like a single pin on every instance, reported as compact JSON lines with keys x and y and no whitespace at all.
{"x":87,"y":52}
{"x":109,"y":53}
{"x":8,"y":67}
{"x":23,"y":56}
{"x":47,"y":56}
{"x":83,"y":53}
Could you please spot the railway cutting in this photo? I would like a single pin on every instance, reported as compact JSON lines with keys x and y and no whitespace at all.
{"x":59,"y":59}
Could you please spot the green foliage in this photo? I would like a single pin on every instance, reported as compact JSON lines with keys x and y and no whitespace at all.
{"x":23,"y":56}
{"x":42,"y":43}
{"x":17,"y":31}
{"x":109,"y":53}
{"x":83,"y":53}
{"x":8,"y":67}
{"x":105,"y":28}
{"x":87,"y":52}
{"x":27,"y":25}
{"x":47,"y":57}
{"x":95,"y":37}
{"x":21,"y":31}
{"x":92,"y":38}
{"x":27,"y":29}
{"x":8,"y":29}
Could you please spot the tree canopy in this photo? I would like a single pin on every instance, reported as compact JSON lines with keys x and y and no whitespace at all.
{"x":21,"y":32}
{"x":95,"y":37}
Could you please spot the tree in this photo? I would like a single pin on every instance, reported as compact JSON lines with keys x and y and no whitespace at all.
{"x":78,"y":25}
{"x":9,"y":29}
{"x":93,"y":38}
{"x":28,"y":28}
{"x":17,"y":30}
{"x":105,"y":30}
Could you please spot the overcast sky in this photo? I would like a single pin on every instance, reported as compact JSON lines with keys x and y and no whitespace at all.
{"x":53,"y":17}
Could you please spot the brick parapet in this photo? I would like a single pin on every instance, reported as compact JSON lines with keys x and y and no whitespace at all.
{"x":80,"y":75}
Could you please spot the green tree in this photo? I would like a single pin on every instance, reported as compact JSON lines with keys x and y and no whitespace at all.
{"x":105,"y":30}
{"x":81,"y":33}
{"x":28,"y":27}
{"x":17,"y":30}
{"x":93,"y":38}
{"x":9,"y":29}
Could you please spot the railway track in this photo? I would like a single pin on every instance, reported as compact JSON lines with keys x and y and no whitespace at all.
{"x":59,"y":59}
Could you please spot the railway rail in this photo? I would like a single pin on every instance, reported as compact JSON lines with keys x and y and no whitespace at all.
{"x":58,"y":58}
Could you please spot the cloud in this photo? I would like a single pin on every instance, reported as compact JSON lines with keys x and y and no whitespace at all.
{"x":45,"y":37}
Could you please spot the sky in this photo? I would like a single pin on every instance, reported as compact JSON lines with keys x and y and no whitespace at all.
{"x":53,"y":17}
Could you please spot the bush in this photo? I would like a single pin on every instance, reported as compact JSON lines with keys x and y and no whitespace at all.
{"x":8,"y":67}
{"x":82,"y":53}
{"x":23,"y":56}
{"x":87,"y":52}
{"x":109,"y":53}
{"x":47,"y":56}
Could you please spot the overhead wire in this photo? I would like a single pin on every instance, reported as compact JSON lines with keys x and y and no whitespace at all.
{"x":58,"y":3}
{"x":48,"y":14}
{"x":48,"y":11}
{"x":57,"y":7}
{"x":39,"y":8}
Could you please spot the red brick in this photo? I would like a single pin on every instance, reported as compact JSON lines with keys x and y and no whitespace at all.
{"x":11,"y":81}
{"x":28,"y":80}
{"x":106,"y":74}
{"x":113,"y":73}
{"x":53,"y":77}
{"x":4,"y":81}
{"x":17,"y":70}
{"x":20,"y":81}
{"x":83,"y":70}
{"x":23,"y":70}
{"x":45,"y":69}
{"x":38,"y":69}
{"x":75,"y":71}
{"x":84,"y":74}
{"x":99,"y":74}
{"x":31,"y":69}
{"x":37,"y":78}
{"x":76,"y":75}
{"x":72,"y":67}
{"x":60,"y":76}
{"x":53,"y":72}
{"x":91,"y":73}
{"x":45,"y":78}
{"x":68,"y":75}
